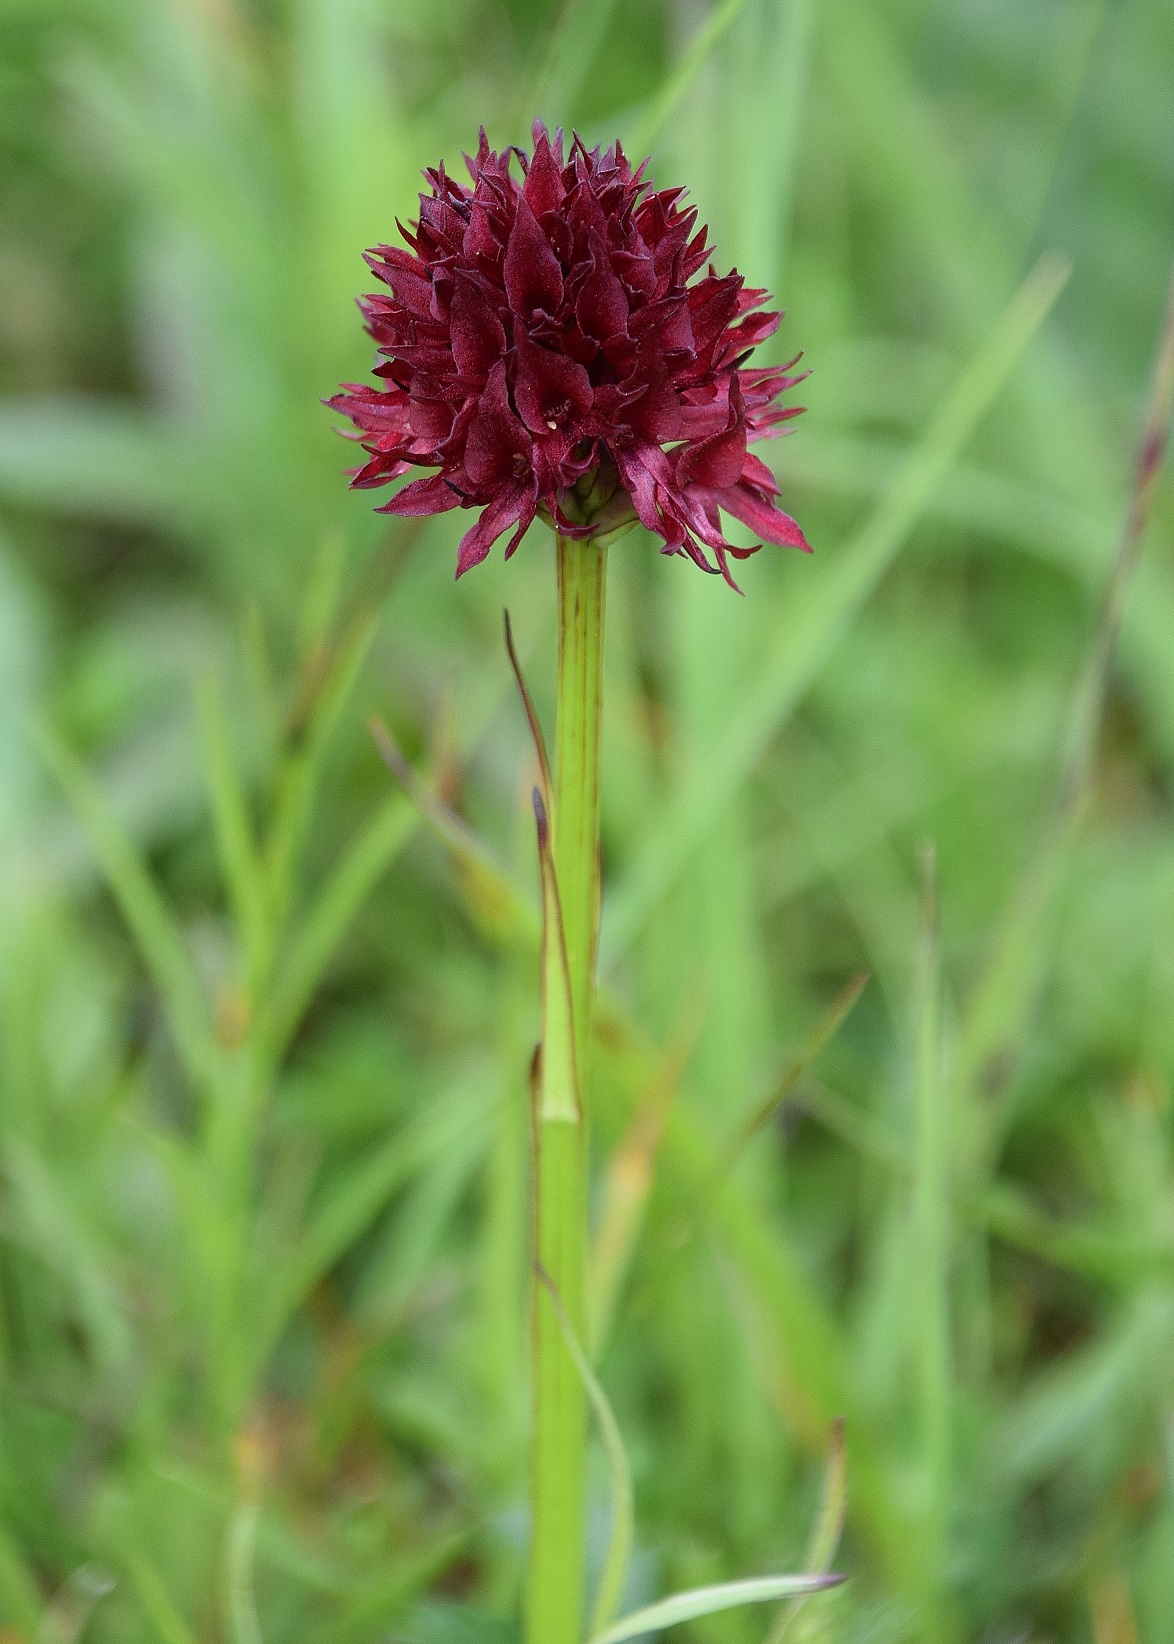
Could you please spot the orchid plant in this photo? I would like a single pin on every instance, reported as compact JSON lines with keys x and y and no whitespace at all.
{"x":551,"y":349}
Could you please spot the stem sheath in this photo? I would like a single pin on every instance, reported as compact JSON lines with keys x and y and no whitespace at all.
{"x":556,"y":1575}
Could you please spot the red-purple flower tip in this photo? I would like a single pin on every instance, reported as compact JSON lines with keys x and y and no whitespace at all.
{"x":545,"y":350}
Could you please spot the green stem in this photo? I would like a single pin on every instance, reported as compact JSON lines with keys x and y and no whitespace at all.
{"x":581,"y":577}
{"x":556,"y":1578}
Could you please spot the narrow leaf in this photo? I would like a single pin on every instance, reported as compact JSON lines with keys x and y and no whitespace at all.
{"x":719,"y":20}
{"x":302,"y":767}
{"x":825,"y":1531}
{"x":492,"y":896}
{"x":699,"y":1601}
{"x":531,"y":715}
{"x":349,"y":1209}
{"x":239,"y":860}
{"x":558,"y":1079}
{"x":169,"y":1625}
{"x":325,"y":924}
{"x":48,"y":1224}
{"x":1001,"y":1005}
{"x":629,"y":1177}
{"x":155,"y":931}
{"x":824,"y":1030}
{"x":929,"y":1266}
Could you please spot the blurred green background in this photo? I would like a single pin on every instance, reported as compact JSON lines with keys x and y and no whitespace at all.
{"x":264,"y":1033}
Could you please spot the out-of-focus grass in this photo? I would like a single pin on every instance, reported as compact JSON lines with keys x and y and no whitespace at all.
{"x":264,"y":1036}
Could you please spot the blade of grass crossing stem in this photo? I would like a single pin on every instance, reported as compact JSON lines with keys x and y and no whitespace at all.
{"x":702,"y":1601}
{"x":156,"y":934}
{"x":619,"y":1546}
{"x":821,"y":616}
{"x":556,"y":1558}
{"x":239,"y":861}
{"x":931,"y":1247}
{"x":795,"y":1622}
{"x":719,"y":21}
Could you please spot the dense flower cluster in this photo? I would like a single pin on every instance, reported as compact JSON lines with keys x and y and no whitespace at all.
{"x":546,"y":352}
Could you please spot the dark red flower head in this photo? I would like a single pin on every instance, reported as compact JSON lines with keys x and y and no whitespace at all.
{"x":545,"y":351}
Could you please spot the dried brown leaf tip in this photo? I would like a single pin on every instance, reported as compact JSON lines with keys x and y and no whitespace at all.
{"x":552,"y":349}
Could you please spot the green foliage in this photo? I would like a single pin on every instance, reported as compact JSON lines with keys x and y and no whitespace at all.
{"x":264,"y":1039}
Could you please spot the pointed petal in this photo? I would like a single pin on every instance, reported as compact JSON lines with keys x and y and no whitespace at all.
{"x":476,"y":332}
{"x":533,"y":278}
{"x":422,"y":496}
{"x":759,"y":513}
{"x":477,"y":541}
{"x":550,"y":388}
{"x":715,"y":462}
{"x":496,"y":439}
{"x":602,"y":307}
{"x":543,"y":189}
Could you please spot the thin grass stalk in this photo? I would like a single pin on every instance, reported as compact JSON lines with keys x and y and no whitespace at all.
{"x":571,"y":905}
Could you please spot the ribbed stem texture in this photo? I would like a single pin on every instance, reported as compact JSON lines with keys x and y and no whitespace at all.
{"x":555,"y":1589}
{"x":581,"y":577}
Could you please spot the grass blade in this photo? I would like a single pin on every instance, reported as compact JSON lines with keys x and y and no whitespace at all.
{"x":700,"y":1601}
{"x":824,"y":1030}
{"x":628,"y":1183}
{"x":821,"y":618}
{"x":49,"y":1225}
{"x":547,"y":786}
{"x":352,"y":1206}
{"x":169,"y":1625}
{"x":1000,"y":1007}
{"x":570,"y":52}
{"x":20,"y":1597}
{"x":239,"y":861}
{"x":158,"y":938}
{"x":931,"y":1238}
{"x":719,"y":21}
{"x":825,"y":1532}
{"x":303,"y":766}
{"x":336,"y":905}
{"x":493,"y":898}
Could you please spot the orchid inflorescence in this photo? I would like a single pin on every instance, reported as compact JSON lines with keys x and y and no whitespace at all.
{"x":546,"y":352}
